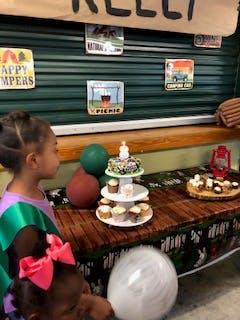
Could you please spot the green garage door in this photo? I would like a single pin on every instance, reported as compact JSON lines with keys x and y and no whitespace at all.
{"x":62,"y":68}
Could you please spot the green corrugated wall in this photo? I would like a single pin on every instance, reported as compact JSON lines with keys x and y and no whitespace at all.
{"x":62,"y":68}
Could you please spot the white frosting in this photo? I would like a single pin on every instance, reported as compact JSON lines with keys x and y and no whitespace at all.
{"x":226,"y":183}
{"x":105,"y":201}
{"x":113,"y":182}
{"x":209,"y":182}
{"x":144,"y":206}
{"x":118,"y":210}
{"x":104,"y":208}
{"x":197,"y":177}
{"x":135,"y":209}
{"x":218,"y":189}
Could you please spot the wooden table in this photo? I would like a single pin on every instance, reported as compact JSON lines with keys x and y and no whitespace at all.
{"x":192,"y":232}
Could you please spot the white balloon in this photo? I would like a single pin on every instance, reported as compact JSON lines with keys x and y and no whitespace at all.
{"x":143,"y":285}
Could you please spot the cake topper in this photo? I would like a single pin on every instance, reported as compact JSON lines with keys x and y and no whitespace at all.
{"x":123,"y":154}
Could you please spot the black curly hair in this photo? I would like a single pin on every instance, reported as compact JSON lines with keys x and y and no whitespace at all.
{"x":18,"y":130}
{"x":29,"y":298}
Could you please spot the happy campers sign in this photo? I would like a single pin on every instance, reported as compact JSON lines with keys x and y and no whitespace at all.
{"x":211,"y":17}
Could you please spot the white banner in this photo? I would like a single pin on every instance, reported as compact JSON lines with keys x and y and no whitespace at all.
{"x":210,"y":17}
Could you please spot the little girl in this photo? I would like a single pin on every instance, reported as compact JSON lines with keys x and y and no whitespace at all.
{"x":28,"y":148}
{"x":49,"y":286}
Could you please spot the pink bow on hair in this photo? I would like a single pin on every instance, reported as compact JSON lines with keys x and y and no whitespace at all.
{"x":40,"y":270}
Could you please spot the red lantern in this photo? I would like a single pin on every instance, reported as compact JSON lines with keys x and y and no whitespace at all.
{"x":220,"y":161}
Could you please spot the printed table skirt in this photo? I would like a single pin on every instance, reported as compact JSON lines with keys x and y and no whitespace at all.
{"x":194,"y":233}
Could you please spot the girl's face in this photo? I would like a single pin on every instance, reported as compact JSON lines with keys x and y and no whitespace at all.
{"x":65,"y":300}
{"x":48,"y":159}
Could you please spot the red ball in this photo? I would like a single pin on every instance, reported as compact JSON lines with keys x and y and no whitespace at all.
{"x":83,"y":189}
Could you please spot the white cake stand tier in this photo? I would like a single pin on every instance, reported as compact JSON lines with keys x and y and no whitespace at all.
{"x":139,"y":192}
{"x":124,"y":179}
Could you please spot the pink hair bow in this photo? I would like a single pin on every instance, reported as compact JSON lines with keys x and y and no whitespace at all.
{"x":40,"y":270}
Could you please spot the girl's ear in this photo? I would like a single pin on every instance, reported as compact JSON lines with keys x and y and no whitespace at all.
{"x":34,"y":316}
{"x":31,"y":160}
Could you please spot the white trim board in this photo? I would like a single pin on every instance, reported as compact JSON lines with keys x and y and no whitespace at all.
{"x":70,"y":129}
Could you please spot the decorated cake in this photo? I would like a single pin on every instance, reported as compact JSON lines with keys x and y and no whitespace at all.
{"x":124,"y":164}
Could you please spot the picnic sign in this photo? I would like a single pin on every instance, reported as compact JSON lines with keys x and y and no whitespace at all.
{"x":211,"y":17}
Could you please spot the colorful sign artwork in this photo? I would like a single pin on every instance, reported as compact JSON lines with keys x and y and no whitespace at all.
{"x":105,"y":97}
{"x":105,"y":40}
{"x":188,"y":16}
{"x":17,"y":69}
{"x":207,"y":41}
{"x":179,"y":74}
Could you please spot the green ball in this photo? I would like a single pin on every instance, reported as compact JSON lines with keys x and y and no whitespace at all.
{"x":103,"y":180}
{"x":94,"y":159}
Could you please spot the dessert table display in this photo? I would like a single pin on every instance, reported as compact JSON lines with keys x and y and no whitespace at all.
{"x":194,"y":233}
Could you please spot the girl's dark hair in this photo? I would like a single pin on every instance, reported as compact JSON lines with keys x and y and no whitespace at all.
{"x":29,"y":298}
{"x":17,"y":130}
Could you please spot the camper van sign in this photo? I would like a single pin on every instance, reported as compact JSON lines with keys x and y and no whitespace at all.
{"x":179,"y":74}
{"x":105,"y":97}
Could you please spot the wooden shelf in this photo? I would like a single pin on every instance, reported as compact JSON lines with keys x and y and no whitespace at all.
{"x":147,"y":140}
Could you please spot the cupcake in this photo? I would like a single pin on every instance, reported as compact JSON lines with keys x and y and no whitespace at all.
{"x":105,"y":201}
{"x":134,"y":211}
{"x":221,"y":184}
{"x":145,"y":209}
{"x":145,"y":200}
{"x":217,"y":190}
{"x":209,"y":184}
{"x":112,"y":185}
{"x":104,"y":212}
{"x":235,"y":185}
{"x":193,"y":182}
{"x":227,"y":186}
{"x":118,"y":213}
{"x":127,"y":190}
{"x":199,"y":186}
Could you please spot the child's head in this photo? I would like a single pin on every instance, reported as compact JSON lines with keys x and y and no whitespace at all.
{"x":40,"y":292}
{"x":22,"y":135}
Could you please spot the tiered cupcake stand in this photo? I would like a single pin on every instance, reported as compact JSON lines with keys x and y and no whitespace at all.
{"x":139,"y":192}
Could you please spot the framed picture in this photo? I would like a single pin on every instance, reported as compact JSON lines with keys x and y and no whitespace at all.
{"x":206,"y":41}
{"x":17,"y":69}
{"x":104,"y":40}
{"x":105,"y":97}
{"x":179,"y":74}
